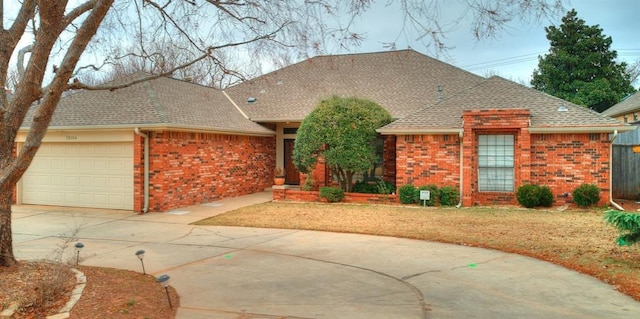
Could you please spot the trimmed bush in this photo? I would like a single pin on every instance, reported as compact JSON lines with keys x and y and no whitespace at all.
{"x":528,"y":195}
{"x":332,"y":195}
{"x":433,"y":196}
{"x":407,"y":194}
{"x":448,"y":196}
{"x":586,"y":195}
{"x":546,"y":197}
{"x":531,"y":196}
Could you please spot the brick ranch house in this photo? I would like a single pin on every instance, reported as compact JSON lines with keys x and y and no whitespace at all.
{"x":166,"y":143}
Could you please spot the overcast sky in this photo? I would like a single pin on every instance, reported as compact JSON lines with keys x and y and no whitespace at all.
{"x":513,"y":55}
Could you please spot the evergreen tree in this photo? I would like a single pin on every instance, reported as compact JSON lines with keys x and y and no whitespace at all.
{"x":580,"y":66}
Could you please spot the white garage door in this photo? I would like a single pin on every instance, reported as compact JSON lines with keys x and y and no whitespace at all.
{"x":98,"y":175}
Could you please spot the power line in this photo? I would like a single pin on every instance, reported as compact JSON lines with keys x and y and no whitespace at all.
{"x":503,"y":62}
{"x":531,"y":57}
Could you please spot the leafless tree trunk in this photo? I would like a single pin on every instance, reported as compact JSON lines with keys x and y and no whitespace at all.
{"x":53,"y":22}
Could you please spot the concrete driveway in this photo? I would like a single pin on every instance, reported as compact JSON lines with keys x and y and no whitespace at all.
{"x":231,"y":272}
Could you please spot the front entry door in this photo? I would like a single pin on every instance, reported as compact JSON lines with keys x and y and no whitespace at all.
{"x":292,"y":176}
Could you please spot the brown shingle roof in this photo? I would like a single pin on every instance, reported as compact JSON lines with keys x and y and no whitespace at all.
{"x":400,"y":81}
{"x":629,"y":105}
{"x":162,"y":102}
{"x":499,"y":93}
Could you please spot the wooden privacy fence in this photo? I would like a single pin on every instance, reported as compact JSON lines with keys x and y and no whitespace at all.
{"x":626,"y":166}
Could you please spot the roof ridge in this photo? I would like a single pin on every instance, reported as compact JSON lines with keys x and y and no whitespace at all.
{"x":363,"y":53}
{"x":154,"y":100}
{"x":326,"y":56}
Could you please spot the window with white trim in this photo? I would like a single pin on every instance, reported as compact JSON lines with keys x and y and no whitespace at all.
{"x":495,"y":163}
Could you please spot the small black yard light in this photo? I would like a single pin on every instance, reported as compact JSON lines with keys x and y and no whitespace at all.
{"x":164,"y":281}
{"x":140,"y":254}
{"x":79,"y":247}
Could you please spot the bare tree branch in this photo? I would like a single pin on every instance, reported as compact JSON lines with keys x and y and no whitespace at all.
{"x":633,"y":70}
{"x":175,"y":24}
{"x":77,"y":85}
{"x":21,"y":55}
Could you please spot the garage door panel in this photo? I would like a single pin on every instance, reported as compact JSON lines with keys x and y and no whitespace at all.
{"x":87,"y":165}
{"x":115,"y":165}
{"x":81,"y":174}
{"x":100,"y":182}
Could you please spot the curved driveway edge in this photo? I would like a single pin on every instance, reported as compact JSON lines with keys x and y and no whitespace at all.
{"x":232,"y":272}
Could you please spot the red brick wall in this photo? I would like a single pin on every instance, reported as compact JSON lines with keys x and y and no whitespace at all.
{"x":428,"y":159}
{"x":193,"y":168}
{"x":564,"y":161}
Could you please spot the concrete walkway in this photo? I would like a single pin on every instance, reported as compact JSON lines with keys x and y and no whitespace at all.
{"x":231,"y":272}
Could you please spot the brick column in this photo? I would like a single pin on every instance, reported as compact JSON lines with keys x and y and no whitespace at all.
{"x":495,"y":121}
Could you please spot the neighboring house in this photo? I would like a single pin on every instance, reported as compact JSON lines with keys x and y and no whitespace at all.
{"x":626,"y":161}
{"x":484,"y":136}
{"x":627,"y":111}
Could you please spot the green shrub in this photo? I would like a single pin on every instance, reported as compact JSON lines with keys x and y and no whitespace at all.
{"x":364,"y":187}
{"x":533,"y":195}
{"x":385,"y":187}
{"x":627,"y":223}
{"x":331,"y":194}
{"x":528,"y":195}
{"x":433,"y":196}
{"x":380,"y":187}
{"x":546,"y":197}
{"x":586,"y":195}
{"x":448,"y":196}
{"x":407,"y":194}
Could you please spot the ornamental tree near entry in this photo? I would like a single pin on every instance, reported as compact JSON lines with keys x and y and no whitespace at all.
{"x":343,"y":132}
{"x":580,"y":66}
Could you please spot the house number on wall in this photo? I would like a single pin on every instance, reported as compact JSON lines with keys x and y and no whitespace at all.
{"x":71,"y":137}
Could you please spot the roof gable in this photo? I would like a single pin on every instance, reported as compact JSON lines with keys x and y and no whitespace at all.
{"x":499,"y":93}
{"x":400,"y":81}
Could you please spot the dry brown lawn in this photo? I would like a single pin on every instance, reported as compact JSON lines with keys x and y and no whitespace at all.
{"x":576,"y":239}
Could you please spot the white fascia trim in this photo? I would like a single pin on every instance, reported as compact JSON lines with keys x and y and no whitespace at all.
{"x":584,"y":129}
{"x":277,"y":120}
{"x":155,"y":127}
{"x":419,"y":131}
